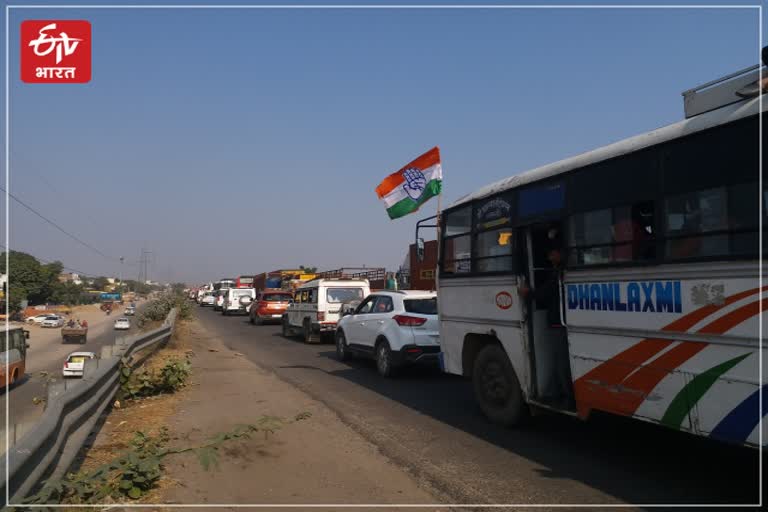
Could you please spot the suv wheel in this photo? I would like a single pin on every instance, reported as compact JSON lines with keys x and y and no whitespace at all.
{"x":250,"y":315}
{"x":342,"y":350}
{"x":497,"y":388}
{"x":309,"y":336}
{"x":384,"y":359}
{"x":286,"y":328}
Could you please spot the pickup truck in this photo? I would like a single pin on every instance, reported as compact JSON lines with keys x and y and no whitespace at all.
{"x":77,"y":334}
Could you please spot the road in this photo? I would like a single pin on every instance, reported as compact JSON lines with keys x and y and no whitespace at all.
{"x":427,"y":422}
{"x":46,"y":356}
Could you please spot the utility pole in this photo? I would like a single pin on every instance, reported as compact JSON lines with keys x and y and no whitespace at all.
{"x":143,"y":261}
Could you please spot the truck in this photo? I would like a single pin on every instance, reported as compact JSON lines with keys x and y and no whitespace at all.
{"x":278,"y":279}
{"x":76,"y":334}
{"x":376,"y":276}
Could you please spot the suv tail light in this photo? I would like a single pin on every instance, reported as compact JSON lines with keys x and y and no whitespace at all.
{"x":409,"y":321}
{"x":320,"y":316}
{"x":66,"y":365}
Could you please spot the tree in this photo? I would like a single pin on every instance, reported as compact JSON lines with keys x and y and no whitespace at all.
{"x":69,"y":293}
{"x":25,"y":279}
{"x":100,"y":283}
{"x":308,"y":270}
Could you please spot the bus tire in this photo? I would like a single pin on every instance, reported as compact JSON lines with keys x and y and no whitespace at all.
{"x":497,"y":388}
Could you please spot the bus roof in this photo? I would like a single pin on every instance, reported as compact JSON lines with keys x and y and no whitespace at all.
{"x":701,"y":122}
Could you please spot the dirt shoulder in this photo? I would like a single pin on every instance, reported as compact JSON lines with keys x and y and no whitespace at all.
{"x":318,"y":460}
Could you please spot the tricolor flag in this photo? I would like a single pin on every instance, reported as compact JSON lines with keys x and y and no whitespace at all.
{"x":404,"y":191}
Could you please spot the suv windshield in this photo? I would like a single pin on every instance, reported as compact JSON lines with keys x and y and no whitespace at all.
{"x":276,"y":297}
{"x":421,"y":306}
{"x":336,"y":295}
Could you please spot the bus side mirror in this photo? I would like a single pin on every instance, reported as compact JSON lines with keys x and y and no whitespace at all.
{"x":420,"y":249}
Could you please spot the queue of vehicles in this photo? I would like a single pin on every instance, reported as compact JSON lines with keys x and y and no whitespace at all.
{"x":632,"y":269}
{"x":395,"y":328}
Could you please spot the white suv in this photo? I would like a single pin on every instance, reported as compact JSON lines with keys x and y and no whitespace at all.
{"x":395,"y":328}
{"x":317,"y":304}
{"x":218,"y":296}
{"x":232,"y":300}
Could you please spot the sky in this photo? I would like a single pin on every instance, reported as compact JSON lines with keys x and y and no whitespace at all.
{"x":232,"y":142}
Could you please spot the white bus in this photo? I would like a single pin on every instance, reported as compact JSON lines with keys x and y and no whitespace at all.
{"x":659,"y":298}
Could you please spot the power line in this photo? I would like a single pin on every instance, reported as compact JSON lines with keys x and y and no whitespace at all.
{"x":49,"y":221}
{"x":49,"y":261}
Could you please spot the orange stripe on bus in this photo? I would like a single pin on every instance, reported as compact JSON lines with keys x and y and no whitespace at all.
{"x":600,"y":387}
{"x":728,"y":321}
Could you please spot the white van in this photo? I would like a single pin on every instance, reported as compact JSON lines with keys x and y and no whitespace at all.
{"x":317,"y":305}
{"x":237,"y":300}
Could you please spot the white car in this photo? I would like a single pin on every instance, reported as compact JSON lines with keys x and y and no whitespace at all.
{"x":129,"y":311}
{"x":52,"y":321}
{"x":37,"y":319}
{"x":73,"y":366}
{"x":208,"y":299}
{"x":122,"y":324}
{"x":396,"y":328}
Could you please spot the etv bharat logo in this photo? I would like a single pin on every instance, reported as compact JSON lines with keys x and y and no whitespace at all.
{"x":55,"y":51}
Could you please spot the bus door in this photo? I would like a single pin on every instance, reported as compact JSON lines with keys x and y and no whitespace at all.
{"x":542,"y":338}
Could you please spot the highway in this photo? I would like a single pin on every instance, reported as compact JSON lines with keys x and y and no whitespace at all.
{"x":427,"y":422}
{"x":45,"y":358}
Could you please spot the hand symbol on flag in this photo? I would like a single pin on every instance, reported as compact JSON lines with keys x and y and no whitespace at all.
{"x":415,"y":183}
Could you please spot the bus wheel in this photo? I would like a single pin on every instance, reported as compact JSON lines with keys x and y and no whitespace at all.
{"x":497,"y":388}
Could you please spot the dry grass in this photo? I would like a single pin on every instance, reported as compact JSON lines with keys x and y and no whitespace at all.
{"x":149,"y":415}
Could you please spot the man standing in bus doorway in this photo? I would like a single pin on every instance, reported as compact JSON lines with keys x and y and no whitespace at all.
{"x":548,"y":293}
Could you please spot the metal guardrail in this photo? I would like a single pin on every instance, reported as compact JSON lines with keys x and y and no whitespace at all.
{"x":48,"y":450}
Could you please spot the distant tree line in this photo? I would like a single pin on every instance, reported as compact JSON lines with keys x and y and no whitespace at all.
{"x":39,"y":283}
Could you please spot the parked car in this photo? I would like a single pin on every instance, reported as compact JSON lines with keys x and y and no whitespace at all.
{"x":129,"y":311}
{"x":52,"y":321}
{"x":269,"y":306}
{"x":122,"y":324}
{"x":316,"y":306}
{"x":75,"y":363}
{"x":395,"y":328}
{"x":237,"y":300}
{"x":208,"y":299}
{"x":219,"y":298}
{"x":37,"y":319}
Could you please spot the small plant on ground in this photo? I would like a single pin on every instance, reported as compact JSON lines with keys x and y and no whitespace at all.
{"x":135,"y":472}
{"x":142,"y":382}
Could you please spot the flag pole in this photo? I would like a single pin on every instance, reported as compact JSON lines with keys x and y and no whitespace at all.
{"x":439,"y":242}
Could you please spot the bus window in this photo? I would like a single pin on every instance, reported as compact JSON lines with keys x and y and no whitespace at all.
{"x":714,"y":222}
{"x":456,"y":255}
{"x":458,"y":222}
{"x":612,"y":235}
{"x":494,"y":250}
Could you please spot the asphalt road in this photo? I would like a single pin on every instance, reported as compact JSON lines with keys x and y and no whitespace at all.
{"x":427,"y":421}
{"x":47,"y":357}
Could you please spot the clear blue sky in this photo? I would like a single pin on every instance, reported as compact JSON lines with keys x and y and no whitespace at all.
{"x":240,"y":141}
